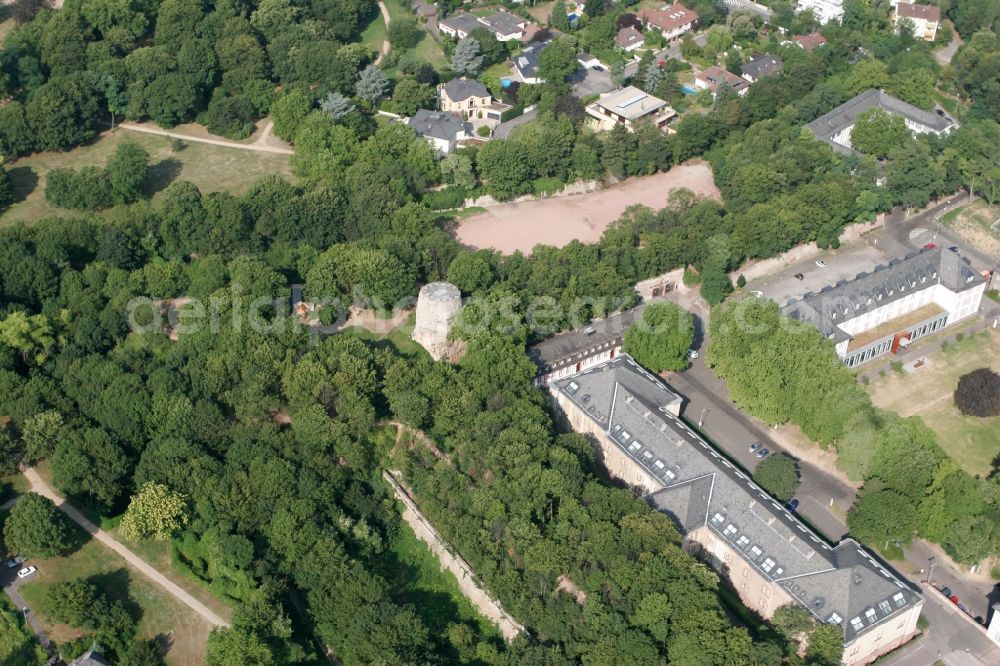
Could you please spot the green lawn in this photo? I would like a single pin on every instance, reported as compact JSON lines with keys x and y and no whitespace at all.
{"x":18,"y":645}
{"x":972,"y":441}
{"x":373,"y":36}
{"x":398,"y":338}
{"x":211,"y":168}
{"x":159,"y":613}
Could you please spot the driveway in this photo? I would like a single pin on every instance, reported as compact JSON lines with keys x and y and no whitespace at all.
{"x":503,"y":130}
{"x":11,"y":585}
{"x":587,"y":81}
{"x":842,"y":264}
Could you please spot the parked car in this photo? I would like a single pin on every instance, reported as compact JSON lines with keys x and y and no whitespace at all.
{"x":754,"y":446}
{"x":597,"y":68}
{"x":762,"y":453}
{"x":800,"y":276}
{"x":930,"y":246}
{"x":693,"y":354}
{"x":793,"y":505}
{"x":979,"y":619}
{"x":946,"y":591}
{"x":26,"y":571}
{"x":953,"y":248}
{"x":15,"y":561}
{"x":821,"y":263}
{"x":758,"y":293}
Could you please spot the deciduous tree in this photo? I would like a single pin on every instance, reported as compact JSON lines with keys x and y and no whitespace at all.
{"x":155,"y":511}
{"x":36,"y":528}
{"x":660,"y":339}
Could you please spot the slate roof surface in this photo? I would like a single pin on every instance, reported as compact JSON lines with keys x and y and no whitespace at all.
{"x":566,"y":346}
{"x":505,"y":23}
{"x":438,"y":124}
{"x":703,"y":488}
{"x":763,"y":65}
{"x":462,"y":21}
{"x":830,"y":124}
{"x":463,"y":88}
{"x":839,"y":303}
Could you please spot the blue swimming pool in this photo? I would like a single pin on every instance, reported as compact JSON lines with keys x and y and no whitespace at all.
{"x":688,"y":90}
{"x":505,"y":83}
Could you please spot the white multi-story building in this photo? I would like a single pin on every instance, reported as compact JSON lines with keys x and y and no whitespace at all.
{"x":883,"y":311}
{"x":823,"y":10}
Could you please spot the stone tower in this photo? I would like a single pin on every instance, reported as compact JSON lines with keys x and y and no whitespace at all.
{"x":437,"y":306}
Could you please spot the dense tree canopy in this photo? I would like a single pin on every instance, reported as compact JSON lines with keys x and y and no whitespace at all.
{"x":660,"y":339}
{"x":36,"y":528}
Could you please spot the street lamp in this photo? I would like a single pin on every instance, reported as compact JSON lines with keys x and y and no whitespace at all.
{"x":701,"y":419}
{"x":933,"y":563}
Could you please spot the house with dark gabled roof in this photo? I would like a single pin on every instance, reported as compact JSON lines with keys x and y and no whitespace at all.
{"x":763,"y":551}
{"x":834,"y":128}
{"x":460,"y":25}
{"x":763,"y":64}
{"x":442,"y":130}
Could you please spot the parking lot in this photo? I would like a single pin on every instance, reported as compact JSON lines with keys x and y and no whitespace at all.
{"x":842,"y":264}
{"x":589,"y":81}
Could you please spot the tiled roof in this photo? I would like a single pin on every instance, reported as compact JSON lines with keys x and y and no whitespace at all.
{"x":628,"y":36}
{"x":763,"y":65}
{"x":925,"y":12}
{"x":835,"y":305}
{"x":463,"y":88}
{"x":669,"y":18}
{"x":704,"y":489}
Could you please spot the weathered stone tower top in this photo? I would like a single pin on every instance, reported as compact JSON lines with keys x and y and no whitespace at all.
{"x":437,"y":306}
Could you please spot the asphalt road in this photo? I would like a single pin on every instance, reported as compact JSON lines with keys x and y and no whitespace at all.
{"x":733,"y":431}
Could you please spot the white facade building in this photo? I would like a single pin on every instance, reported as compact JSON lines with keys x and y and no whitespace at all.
{"x":823,"y":10}
{"x":884,"y":311}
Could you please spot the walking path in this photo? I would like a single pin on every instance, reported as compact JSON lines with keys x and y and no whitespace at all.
{"x":40,"y":487}
{"x":258,"y":145}
{"x":385,"y":42}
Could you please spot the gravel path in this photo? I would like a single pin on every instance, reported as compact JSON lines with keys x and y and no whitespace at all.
{"x":40,"y":487}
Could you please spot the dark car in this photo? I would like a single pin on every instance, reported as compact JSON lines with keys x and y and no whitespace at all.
{"x":597,"y":68}
{"x":793,"y":505}
{"x":953,"y":248}
{"x":940,"y":112}
{"x":800,"y":276}
{"x":946,"y":591}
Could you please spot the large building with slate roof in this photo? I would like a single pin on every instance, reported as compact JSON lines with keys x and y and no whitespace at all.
{"x":768,"y":556}
{"x":835,"y":127}
{"x":879,"y":312}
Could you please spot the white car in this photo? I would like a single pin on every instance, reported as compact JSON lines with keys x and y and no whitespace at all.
{"x":693,"y":354}
{"x":26,"y":571}
{"x":13,"y":562}
{"x":758,"y":293}
{"x":821,"y":263}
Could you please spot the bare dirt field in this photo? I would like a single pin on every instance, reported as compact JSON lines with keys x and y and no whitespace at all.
{"x":583,"y":217}
{"x":979,"y":224}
